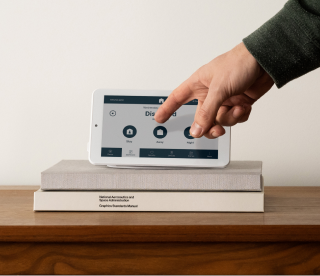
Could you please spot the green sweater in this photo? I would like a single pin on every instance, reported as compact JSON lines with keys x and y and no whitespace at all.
{"x":288,"y":45}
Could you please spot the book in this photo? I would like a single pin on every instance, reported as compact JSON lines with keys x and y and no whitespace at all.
{"x":173,"y":201}
{"x":82,"y":175}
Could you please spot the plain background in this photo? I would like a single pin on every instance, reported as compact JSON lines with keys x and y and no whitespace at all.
{"x":53,"y":54}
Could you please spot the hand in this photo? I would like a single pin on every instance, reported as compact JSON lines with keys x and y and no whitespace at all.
{"x":226,"y":88}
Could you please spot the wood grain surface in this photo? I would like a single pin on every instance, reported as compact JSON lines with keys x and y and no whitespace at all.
{"x":160,"y":258}
{"x":291,"y":214}
{"x":283,"y":240}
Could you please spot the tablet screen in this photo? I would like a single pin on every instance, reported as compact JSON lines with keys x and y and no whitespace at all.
{"x":129,"y":130}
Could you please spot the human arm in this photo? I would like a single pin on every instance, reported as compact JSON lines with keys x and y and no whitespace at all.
{"x":227,"y":87}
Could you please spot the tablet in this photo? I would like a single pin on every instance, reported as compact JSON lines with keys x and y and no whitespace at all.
{"x":123,"y":132}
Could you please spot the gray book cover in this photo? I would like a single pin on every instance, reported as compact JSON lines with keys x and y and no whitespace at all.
{"x":82,"y":175}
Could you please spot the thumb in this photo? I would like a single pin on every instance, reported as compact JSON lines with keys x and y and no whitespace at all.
{"x":206,"y":114}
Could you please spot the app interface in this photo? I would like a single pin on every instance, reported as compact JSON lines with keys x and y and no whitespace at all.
{"x":129,"y":130}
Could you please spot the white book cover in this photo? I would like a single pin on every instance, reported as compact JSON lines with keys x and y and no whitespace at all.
{"x":173,"y":201}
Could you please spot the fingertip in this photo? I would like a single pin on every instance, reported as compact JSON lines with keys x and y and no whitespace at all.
{"x":238,"y":112}
{"x":215,"y":132}
{"x":196,"y":130}
{"x":209,"y":136}
{"x":218,"y":132}
{"x":160,"y":116}
{"x":157,"y":118}
{"x":160,"y":121}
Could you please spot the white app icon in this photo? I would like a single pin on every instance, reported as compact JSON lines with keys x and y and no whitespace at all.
{"x":161,"y":100}
{"x":129,"y":131}
{"x":160,"y":132}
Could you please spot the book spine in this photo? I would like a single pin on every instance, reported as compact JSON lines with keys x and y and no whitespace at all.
{"x":149,"y":201}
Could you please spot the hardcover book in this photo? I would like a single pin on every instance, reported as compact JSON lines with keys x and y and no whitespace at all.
{"x":172,"y":201}
{"x":81,"y":175}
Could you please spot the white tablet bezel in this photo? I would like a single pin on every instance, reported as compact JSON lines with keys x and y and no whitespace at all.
{"x":96,"y":138}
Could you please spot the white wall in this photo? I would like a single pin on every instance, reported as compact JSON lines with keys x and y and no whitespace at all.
{"x":53,"y":54}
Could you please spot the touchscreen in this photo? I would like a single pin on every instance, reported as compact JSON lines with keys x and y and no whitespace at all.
{"x":129,"y":130}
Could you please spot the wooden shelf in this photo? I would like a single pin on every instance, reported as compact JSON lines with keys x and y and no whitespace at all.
{"x":288,"y":230}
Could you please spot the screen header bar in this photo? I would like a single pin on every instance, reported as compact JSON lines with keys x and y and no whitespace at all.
{"x":140,"y":100}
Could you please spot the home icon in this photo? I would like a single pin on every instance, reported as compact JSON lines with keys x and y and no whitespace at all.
{"x":160,"y":132}
{"x":129,"y":131}
{"x":161,"y":100}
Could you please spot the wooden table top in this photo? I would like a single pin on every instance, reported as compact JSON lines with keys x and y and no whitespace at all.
{"x":291,"y":214}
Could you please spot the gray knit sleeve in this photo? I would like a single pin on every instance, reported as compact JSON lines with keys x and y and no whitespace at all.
{"x":288,"y":45}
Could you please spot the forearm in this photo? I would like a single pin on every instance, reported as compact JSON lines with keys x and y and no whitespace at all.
{"x":288,"y":45}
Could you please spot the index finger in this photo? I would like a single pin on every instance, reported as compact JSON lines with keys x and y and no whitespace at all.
{"x":181,"y":95}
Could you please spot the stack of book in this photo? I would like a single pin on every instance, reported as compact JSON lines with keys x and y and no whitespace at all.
{"x":77,"y":185}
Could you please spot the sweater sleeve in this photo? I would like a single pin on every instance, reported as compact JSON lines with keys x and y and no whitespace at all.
{"x":288,"y":45}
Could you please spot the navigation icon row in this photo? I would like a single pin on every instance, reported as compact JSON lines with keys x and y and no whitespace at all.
{"x":158,"y":132}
